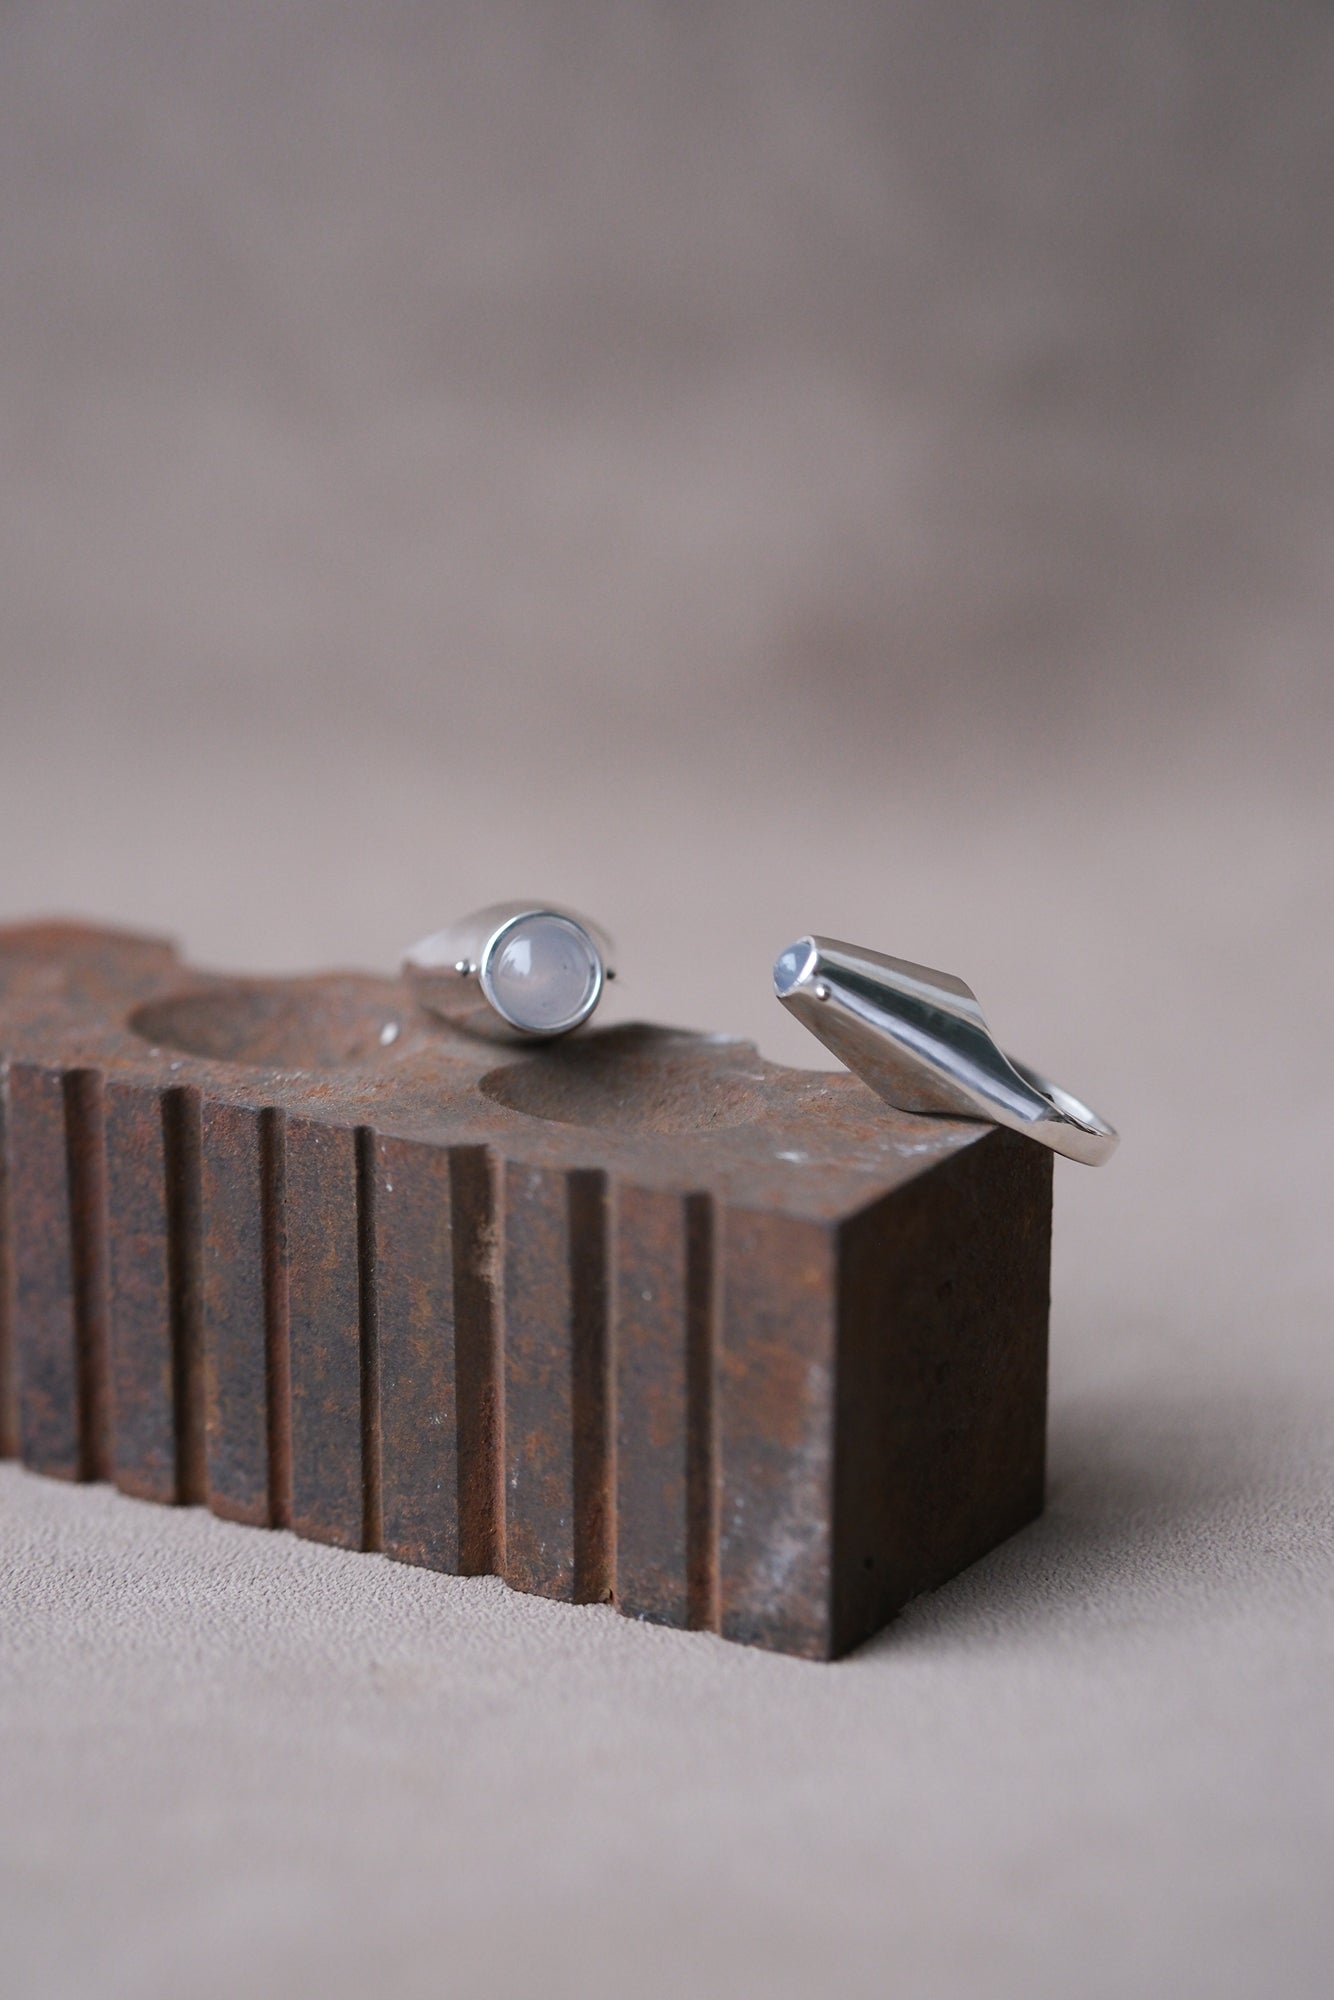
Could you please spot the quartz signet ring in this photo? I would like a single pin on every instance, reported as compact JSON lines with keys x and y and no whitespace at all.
{"x":513,"y":969}
{"x":919,"y":1039}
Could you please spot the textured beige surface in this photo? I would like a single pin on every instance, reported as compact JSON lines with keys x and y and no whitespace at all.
{"x":739,"y":469}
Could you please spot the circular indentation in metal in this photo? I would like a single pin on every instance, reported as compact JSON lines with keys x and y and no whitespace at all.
{"x":325,"y":1023}
{"x":633,"y":1081}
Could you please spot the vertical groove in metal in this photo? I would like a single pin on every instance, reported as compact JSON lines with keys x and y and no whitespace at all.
{"x":181,"y":1151}
{"x":372,"y":1506}
{"x":477,"y":1225}
{"x":9,"y":1410}
{"x":587,"y":1196}
{"x":277,"y":1321}
{"x":85,"y":1151}
{"x":702,"y":1294}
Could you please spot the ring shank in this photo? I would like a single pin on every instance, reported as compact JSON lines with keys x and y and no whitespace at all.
{"x":1076,"y":1129}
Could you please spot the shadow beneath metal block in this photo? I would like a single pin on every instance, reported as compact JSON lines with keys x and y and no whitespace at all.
{"x":1154,"y":1509}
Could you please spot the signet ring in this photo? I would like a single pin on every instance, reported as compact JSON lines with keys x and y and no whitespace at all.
{"x":513,"y":969}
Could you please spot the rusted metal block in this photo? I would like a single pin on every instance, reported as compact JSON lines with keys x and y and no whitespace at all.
{"x":639,"y":1318}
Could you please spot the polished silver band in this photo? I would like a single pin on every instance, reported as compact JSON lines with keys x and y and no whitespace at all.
{"x":918,"y":1038}
{"x":526,"y":969}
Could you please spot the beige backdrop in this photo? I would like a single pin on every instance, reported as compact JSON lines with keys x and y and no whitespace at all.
{"x":739,"y":468}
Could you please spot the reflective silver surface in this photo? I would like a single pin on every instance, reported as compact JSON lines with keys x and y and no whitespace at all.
{"x":526,"y":969}
{"x":919,"y":1039}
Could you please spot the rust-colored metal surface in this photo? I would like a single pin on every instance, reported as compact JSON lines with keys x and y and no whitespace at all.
{"x":639,"y":1318}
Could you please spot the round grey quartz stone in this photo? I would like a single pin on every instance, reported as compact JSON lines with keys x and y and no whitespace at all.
{"x":791,"y":965}
{"x":544,"y":974}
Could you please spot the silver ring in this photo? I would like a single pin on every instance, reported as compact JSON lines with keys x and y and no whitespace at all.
{"x":526,"y":969}
{"x":919,"y":1039}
